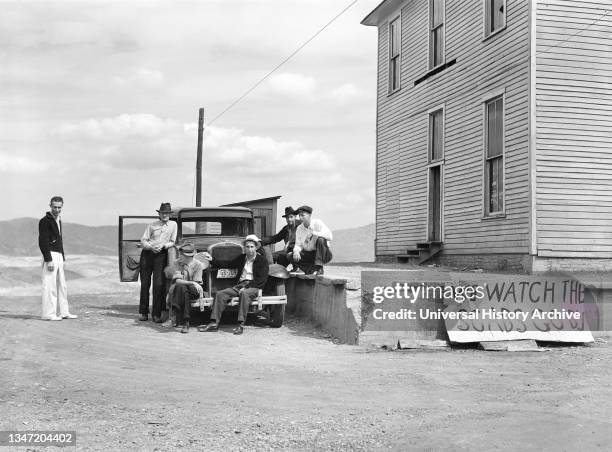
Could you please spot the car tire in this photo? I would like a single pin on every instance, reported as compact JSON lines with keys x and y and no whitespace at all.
{"x":277,"y":311}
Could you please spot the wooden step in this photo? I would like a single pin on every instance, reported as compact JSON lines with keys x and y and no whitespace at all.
{"x":407,"y":258}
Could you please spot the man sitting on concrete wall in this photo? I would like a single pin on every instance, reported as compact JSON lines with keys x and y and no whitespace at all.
{"x":286,"y":234}
{"x":311,"y":248}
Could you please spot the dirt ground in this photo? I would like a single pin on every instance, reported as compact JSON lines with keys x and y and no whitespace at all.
{"x":122,"y":384}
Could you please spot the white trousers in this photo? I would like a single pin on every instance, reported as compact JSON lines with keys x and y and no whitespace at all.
{"x":54,"y":289}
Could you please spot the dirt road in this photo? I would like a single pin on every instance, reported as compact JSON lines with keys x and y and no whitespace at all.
{"x":127,"y":385}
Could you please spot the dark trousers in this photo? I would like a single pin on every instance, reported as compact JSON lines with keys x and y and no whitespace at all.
{"x":224,"y":296}
{"x":182,"y":294}
{"x":282,"y":257}
{"x":152,"y":264}
{"x":309,"y":260}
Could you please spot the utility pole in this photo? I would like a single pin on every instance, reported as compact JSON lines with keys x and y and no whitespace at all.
{"x":199,"y":159}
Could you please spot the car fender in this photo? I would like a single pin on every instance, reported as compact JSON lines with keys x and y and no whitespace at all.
{"x":278,"y":271}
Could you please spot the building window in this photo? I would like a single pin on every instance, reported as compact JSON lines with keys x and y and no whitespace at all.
{"x":494,"y":156}
{"x":395,"y":50}
{"x":436,"y":135}
{"x":436,"y":33}
{"x":495,"y":16}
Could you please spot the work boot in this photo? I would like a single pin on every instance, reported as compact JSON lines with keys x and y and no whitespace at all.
{"x":238,"y":330}
{"x":211,"y":327}
{"x":185,"y":328}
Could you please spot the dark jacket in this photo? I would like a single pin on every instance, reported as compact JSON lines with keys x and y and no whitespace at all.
{"x":287,"y":234}
{"x":49,"y":237}
{"x":260,"y":269}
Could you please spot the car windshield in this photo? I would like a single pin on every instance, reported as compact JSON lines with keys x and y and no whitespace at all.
{"x":237,"y":227}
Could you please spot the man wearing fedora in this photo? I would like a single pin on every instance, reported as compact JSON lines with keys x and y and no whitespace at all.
{"x":157,"y":238}
{"x":312,"y":239}
{"x":186,"y":284}
{"x":286,"y":234}
{"x":253,"y":271}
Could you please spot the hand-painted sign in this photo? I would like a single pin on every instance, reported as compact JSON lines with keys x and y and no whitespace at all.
{"x":477,"y":308}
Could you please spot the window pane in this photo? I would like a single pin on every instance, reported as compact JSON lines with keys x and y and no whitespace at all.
{"x":495,"y":202}
{"x":394,"y":52}
{"x":500,"y":184}
{"x":397,"y":37}
{"x":394,"y":74}
{"x":437,"y":46}
{"x":394,"y":38}
{"x":492,"y":186}
{"x":437,"y":12}
{"x":495,"y":127}
{"x":498,"y":15}
{"x":437,"y":135}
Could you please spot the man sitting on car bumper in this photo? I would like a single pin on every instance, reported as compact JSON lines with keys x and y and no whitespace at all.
{"x":186,"y":284}
{"x":253,"y":271}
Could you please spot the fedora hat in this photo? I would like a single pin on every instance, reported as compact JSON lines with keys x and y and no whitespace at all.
{"x":252,"y":238}
{"x":164,"y":208}
{"x":289,"y":211}
{"x":187,"y":249}
{"x":306,"y":209}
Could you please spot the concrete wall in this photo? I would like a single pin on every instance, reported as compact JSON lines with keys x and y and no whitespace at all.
{"x":323,"y":301}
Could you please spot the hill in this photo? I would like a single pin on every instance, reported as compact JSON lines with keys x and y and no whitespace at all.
{"x":354,"y":245}
{"x":20,"y":238}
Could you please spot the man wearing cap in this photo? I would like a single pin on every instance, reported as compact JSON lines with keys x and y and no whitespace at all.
{"x":186,"y":284}
{"x":253,"y":271}
{"x":54,"y":292}
{"x":311,"y":248}
{"x":287,"y":234}
{"x":157,"y":238}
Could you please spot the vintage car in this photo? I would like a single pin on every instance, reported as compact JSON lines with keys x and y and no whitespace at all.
{"x":220,"y":231}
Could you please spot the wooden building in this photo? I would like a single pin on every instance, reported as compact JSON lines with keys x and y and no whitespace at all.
{"x":494,"y":133}
{"x":264,"y":214}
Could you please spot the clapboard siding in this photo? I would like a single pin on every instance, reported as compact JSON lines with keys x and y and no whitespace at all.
{"x":482,"y":67}
{"x":574,"y":129}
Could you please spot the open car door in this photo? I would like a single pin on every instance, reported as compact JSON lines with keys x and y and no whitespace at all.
{"x":130,"y":231}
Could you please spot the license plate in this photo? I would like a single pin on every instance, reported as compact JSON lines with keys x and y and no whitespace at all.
{"x":227,"y":273}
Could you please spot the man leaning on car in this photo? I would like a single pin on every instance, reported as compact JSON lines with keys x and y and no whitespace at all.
{"x":157,"y":238}
{"x":253,"y":271}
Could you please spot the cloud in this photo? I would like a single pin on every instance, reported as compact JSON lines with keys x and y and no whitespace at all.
{"x":129,"y":141}
{"x":346,"y":93}
{"x":264,"y":156}
{"x":142,"y":77}
{"x":293,"y":85}
{"x":145,"y":141}
{"x":20,"y":165}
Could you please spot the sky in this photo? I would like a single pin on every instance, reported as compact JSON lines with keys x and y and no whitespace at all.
{"x":99,"y":104}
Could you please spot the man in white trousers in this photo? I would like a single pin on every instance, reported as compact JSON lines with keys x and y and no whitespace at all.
{"x":54,"y":290}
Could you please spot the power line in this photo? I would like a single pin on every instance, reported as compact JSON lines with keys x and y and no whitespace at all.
{"x":295,"y":52}
{"x":575,"y":34}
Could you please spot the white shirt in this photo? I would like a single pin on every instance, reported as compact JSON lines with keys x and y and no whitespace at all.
{"x":159,"y":233}
{"x":247,"y":273}
{"x":306,"y":237}
{"x":59,"y":225}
